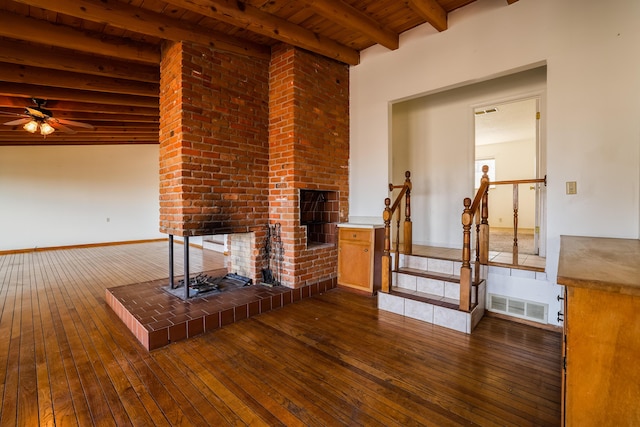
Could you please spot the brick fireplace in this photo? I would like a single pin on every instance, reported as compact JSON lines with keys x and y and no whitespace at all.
{"x":244,"y":141}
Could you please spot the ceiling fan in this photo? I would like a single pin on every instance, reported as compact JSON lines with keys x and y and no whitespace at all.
{"x":40,"y":119}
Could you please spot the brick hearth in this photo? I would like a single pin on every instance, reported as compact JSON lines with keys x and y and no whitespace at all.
{"x":157,"y":318}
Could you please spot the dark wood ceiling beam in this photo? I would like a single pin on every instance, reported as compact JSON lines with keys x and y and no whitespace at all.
{"x":17,"y":104}
{"x":246,"y":16}
{"x":38,"y":31}
{"x":58,"y":59}
{"x":350,"y":17}
{"x":62,"y":94}
{"x":124,"y":130}
{"x":21,"y":135}
{"x":431,"y":11}
{"x":131,"y":18}
{"x":511,"y":1}
{"x":97,"y":118}
{"x":35,"y":75}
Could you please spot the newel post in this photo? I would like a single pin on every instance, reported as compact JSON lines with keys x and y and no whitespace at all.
{"x":484,"y":223}
{"x":465,"y":270}
{"x":408,"y":228}
{"x":386,"y":255}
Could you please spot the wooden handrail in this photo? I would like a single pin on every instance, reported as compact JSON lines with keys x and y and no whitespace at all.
{"x":387,"y":215}
{"x":522,"y":181}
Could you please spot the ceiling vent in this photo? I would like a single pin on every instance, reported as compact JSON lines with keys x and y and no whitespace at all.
{"x":486,"y":111}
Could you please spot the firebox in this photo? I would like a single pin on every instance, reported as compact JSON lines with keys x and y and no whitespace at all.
{"x":319,"y":213}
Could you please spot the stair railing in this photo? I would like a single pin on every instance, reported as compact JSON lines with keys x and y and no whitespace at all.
{"x":387,"y":216}
{"x":478,"y":210}
{"x":516,"y":184}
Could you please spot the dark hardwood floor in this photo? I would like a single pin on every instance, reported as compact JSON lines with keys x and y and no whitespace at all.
{"x":332,"y":359}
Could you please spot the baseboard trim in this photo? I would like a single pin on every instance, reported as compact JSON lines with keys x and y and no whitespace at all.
{"x":548,"y":327}
{"x":86,"y":245}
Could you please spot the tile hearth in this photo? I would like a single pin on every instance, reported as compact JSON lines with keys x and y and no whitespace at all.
{"x":157,"y":318}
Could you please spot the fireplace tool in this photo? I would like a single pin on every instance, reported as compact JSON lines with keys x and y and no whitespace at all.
{"x":278,"y":251}
{"x":267,"y":274}
{"x":272,"y":249}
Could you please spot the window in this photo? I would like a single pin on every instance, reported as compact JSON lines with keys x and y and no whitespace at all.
{"x":492,"y":171}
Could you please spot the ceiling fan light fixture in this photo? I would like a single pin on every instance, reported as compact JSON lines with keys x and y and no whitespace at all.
{"x":46,"y":129}
{"x":31,"y":126}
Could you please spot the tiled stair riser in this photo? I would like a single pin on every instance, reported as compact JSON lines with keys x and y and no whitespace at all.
{"x":442,"y":316}
{"x":440,"y":289}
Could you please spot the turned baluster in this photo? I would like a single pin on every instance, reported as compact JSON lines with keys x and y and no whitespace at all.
{"x":465,"y":270}
{"x":396,"y":261}
{"x":476,"y":267}
{"x":515,"y":224}
{"x":408,"y":229}
{"x":484,"y":223}
{"x":386,"y":255}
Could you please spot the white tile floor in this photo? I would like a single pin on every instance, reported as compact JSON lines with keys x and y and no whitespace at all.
{"x":503,"y":258}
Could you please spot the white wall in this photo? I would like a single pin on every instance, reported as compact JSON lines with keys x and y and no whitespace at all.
{"x":514,"y":160}
{"x":592,"y":129}
{"x":63,"y":195}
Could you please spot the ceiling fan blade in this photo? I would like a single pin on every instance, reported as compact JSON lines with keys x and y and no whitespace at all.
{"x":36,"y":113}
{"x":10,"y":113}
{"x":73,"y":123}
{"x":18,"y":122}
{"x":57,"y":126}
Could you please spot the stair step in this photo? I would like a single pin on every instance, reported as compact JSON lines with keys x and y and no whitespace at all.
{"x":427,"y":298}
{"x":429,"y":274}
{"x":433,"y":275}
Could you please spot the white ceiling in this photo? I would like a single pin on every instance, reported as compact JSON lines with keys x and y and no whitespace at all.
{"x":513,"y":121}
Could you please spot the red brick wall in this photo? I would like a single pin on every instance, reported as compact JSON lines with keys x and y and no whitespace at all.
{"x":214,"y":152}
{"x":309,"y":149}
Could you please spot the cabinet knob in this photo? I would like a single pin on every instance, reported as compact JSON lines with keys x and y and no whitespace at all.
{"x":354,"y":236}
{"x":366,"y":250}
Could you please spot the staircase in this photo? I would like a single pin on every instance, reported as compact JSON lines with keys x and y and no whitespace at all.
{"x":427,"y":288}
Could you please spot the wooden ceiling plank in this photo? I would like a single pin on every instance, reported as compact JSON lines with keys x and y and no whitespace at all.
{"x":62,"y":94}
{"x":511,"y":1}
{"x":431,"y":11}
{"x":34,"y":75}
{"x":37,"y":31}
{"x":350,"y":17}
{"x":44,"y":56}
{"x":253,"y":19}
{"x":144,"y":21}
{"x":7,"y":143}
{"x":62,"y":109}
{"x":125,"y":130}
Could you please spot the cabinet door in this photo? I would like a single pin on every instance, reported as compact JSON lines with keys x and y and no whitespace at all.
{"x":354,"y":267}
{"x":355,"y":259}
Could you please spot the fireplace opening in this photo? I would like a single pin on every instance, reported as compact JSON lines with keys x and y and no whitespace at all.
{"x":319,"y":213}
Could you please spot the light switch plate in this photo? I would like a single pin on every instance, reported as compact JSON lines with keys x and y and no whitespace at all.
{"x":572,"y":187}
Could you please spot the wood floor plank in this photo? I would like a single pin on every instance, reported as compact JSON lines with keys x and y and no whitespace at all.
{"x":333,"y":359}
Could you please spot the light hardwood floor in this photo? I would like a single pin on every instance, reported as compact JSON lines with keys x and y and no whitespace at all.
{"x":333,"y":359}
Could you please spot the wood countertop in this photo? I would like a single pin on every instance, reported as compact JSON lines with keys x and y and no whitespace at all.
{"x":600,"y":263}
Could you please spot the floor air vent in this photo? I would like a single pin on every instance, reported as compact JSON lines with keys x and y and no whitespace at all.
{"x":519,"y":308}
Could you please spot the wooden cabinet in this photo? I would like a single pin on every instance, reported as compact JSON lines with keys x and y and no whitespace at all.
{"x":360,"y":257}
{"x":602,"y":331}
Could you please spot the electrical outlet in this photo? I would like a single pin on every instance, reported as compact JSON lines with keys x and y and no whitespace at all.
{"x":572,"y":187}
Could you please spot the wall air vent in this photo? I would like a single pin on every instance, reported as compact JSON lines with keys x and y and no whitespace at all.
{"x":523,"y":309}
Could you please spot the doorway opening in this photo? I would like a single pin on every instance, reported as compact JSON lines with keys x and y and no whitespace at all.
{"x":507,"y":139}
